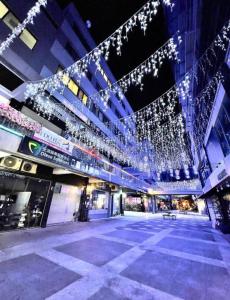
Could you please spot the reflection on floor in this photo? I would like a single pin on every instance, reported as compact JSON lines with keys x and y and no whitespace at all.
{"x":142,"y":258}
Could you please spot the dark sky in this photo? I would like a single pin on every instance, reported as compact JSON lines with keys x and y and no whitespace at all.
{"x":106,"y":16}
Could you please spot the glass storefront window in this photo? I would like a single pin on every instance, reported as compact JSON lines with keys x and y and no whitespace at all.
{"x":22,"y":200}
{"x":99,"y":200}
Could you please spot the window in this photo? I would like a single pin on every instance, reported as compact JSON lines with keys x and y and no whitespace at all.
{"x":3,"y":10}
{"x":28,"y":39}
{"x":11,"y":21}
{"x":8,"y":79}
{"x":84,"y":99}
{"x":73,"y":87}
{"x":65,"y":79}
{"x":80,"y":94}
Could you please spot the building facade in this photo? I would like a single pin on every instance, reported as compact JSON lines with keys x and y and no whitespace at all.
{"x":45,"y":170}
{"x":207,"y":120}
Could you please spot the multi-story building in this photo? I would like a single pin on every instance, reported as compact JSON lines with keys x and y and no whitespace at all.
{"x":44,"y":168}
{"x":207,"y":120}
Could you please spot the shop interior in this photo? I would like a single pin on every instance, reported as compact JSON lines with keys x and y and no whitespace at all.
{"x":176,"y":202}
{"x":22,"y":200}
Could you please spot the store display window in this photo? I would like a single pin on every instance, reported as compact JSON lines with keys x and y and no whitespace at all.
{"x":22,"y":200}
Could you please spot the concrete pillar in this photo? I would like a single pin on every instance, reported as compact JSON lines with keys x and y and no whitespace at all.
{"x":110,"y":205}
{"x":211,"y":212}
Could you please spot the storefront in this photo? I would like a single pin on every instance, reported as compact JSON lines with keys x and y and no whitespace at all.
{"x":65,"y":203}
{"x":176,"y":202}
{"x":99,"y":204}
{"x":218,"y":204}
{"x":23,"y":200}
{"x":184,"y":203}
{"x":163,"y":202}
{"x":137,"y":203}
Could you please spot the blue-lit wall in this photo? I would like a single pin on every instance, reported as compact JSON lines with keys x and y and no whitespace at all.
{"x":62,"y":38}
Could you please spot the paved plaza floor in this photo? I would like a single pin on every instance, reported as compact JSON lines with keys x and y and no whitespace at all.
{"x":131,"y":257}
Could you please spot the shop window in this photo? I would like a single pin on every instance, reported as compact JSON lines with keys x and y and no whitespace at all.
{"x":3,"y":10}
{"x":22,"y":200}
{"x":26,"y":37}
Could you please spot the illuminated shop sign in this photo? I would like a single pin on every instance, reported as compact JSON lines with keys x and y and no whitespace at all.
{"x":54,"y":140}
{"x":32,"y":147}
{"x":40,"y":150}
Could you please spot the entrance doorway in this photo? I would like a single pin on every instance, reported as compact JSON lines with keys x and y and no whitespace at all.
{"x":22,"y":200}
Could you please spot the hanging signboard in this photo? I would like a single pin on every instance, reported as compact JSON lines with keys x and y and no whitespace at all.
{"x":54,"y":140}
{"x":32,"y":147}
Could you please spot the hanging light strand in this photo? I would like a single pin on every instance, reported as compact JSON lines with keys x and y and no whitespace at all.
{"x":16,"y":31}
{"x":135,"y":77}
{"x":116,"y":40}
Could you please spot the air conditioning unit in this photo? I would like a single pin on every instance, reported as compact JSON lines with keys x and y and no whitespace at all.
{"x":11,"y":162}
{"x":29,"y":167}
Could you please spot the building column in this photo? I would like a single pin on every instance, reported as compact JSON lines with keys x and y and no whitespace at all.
{"x":84,"y":207}
{"x":211,"y":213}
{"x":48,"y":204}
{"x":110,"y":204}
{"x":121,"y":205}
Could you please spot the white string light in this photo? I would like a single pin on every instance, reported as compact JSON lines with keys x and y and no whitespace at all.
{"x":151,"y":65}
{"x":141,"y":18}
{"x":32,"y":13}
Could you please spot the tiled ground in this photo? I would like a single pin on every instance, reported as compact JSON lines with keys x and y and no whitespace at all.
{"x":140,"y":258}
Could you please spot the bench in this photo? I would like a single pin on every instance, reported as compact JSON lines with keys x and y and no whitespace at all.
{"x":169,"y":216}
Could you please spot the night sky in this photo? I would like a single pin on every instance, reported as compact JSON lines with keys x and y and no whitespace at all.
{"x":106,"y":16}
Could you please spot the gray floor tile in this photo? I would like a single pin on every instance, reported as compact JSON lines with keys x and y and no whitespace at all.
{"x":94,"y":250}
{"x":129,"y":235}
{"x":181,"y":277}
{"x":194,"y":234}
{"x":32,"y":277}
{"x":197,"y":248}
{"x":107,"y":294}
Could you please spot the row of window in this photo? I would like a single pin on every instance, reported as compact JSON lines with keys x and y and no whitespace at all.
{"x":73,"y":87}
{"x":11,"y":21}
